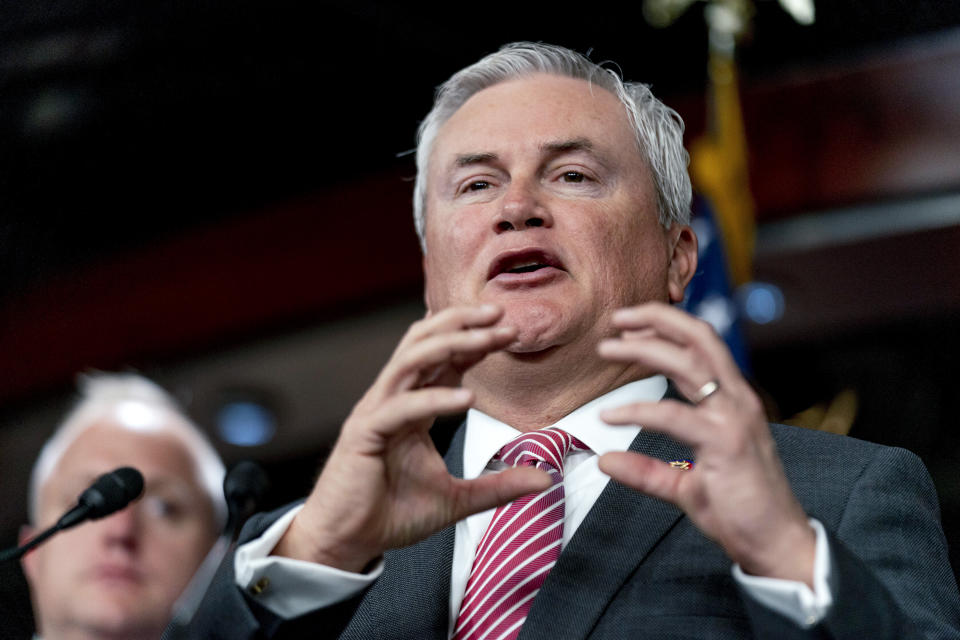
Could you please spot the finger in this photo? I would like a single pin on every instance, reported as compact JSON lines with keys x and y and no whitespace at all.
{"x":419,"y":406}
{"x":647,"y":475}
{"x":452,"y":319}
{"x":682,"y":329}
{"x":638,"y":334}
{"x":680,"y":421}
{"x":495,"y":489}
{"x":430,"y":402}
{"x":422,"y":362}
{"x":677,"y":363}
{"x":669,"y":321}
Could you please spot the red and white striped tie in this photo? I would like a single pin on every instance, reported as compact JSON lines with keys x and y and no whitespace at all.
{"x":520,"y":546}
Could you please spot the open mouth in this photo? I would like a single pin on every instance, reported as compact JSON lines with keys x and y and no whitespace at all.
{"x":527,"y":268}
{"x":524,"y":261}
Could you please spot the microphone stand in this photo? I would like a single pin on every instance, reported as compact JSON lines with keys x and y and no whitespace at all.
{"x":243,"y":487}
{"x":189,"y":601}
{"x":109,"y":493}
{"x":17,"y":552}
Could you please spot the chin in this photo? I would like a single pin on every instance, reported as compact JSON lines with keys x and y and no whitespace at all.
{"x":528,"y":347}
{"x":540,"y":327}
{"x":126,"y":609}
{"x":135,"y":623}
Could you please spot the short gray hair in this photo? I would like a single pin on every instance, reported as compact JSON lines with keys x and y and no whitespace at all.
{"x":659,"y":129}
{"x":129,"y":401}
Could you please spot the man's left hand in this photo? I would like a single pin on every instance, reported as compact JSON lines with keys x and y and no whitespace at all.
{"x":736,"y":492}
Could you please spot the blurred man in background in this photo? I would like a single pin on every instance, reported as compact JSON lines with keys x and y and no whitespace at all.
{"x":119,"y":577}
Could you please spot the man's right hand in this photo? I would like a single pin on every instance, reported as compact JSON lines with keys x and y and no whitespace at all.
{"x":385,"y":485}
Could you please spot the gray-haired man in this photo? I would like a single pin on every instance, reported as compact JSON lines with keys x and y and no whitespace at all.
{"x":119,"y":577}
{"x":552,"y":201}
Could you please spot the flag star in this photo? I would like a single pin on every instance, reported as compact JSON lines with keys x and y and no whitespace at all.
{"x":718,"y":311}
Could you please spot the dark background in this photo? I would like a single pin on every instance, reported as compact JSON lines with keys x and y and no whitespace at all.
{"x":217,"y":195}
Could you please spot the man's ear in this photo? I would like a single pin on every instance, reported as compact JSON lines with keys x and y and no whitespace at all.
{"x":683,"y":260}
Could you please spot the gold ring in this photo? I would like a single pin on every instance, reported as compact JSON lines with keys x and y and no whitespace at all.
{"x":706,"y":391}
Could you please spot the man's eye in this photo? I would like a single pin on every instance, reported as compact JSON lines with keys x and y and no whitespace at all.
{"x":478,"y":185}
{"x":162,"y":508}
{"x":573,"y":176}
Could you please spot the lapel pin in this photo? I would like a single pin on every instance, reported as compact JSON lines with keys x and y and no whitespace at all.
{"x":683,"y":465}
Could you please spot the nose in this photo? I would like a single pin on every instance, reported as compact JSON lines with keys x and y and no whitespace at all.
{"x":522,"y":207}
{"x":122,"y":529}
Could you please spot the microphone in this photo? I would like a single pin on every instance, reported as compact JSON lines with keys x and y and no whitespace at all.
{"x":108,"y":493}
{"x":244,"y":487}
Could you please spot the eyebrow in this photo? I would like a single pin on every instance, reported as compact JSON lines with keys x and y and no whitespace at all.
{"x":468,"y":159}
{"x":566,"y":146}
{"x":548,"y":148}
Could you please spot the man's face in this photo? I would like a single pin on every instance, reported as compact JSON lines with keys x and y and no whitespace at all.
{"x":538,"y":200}
{"x":120,"y":575}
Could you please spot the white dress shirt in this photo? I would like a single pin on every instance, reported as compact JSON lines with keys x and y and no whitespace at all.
{"x":292,"y":587}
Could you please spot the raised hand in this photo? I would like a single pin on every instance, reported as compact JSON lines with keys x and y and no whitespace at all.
{"x":385,"y":485}
{"x":736,"y":493}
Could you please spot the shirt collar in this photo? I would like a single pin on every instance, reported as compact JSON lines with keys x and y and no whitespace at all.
{"x":486,"y":435}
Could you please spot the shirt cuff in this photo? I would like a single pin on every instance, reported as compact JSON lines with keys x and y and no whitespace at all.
{"x":795,"y":600}
{"x":289,"y":587}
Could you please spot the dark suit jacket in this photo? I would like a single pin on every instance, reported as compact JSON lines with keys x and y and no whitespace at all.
{"x":638,"y":568}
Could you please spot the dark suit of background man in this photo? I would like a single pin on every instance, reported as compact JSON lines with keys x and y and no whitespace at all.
{"x":552,"y":200}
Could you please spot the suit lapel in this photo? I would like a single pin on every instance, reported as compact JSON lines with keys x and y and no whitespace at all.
{"x":592,"y":568}
{"x":600,"y":557}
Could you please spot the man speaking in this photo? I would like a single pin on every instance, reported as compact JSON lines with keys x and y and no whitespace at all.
{"x":552,"y":202}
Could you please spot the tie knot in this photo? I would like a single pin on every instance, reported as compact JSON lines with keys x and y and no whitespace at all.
{"x":544,"y":448}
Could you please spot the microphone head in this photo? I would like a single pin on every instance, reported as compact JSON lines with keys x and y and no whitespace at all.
{"x":243,"y":488}
{"x":246,"y":479}
{"x":112,"y":492}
